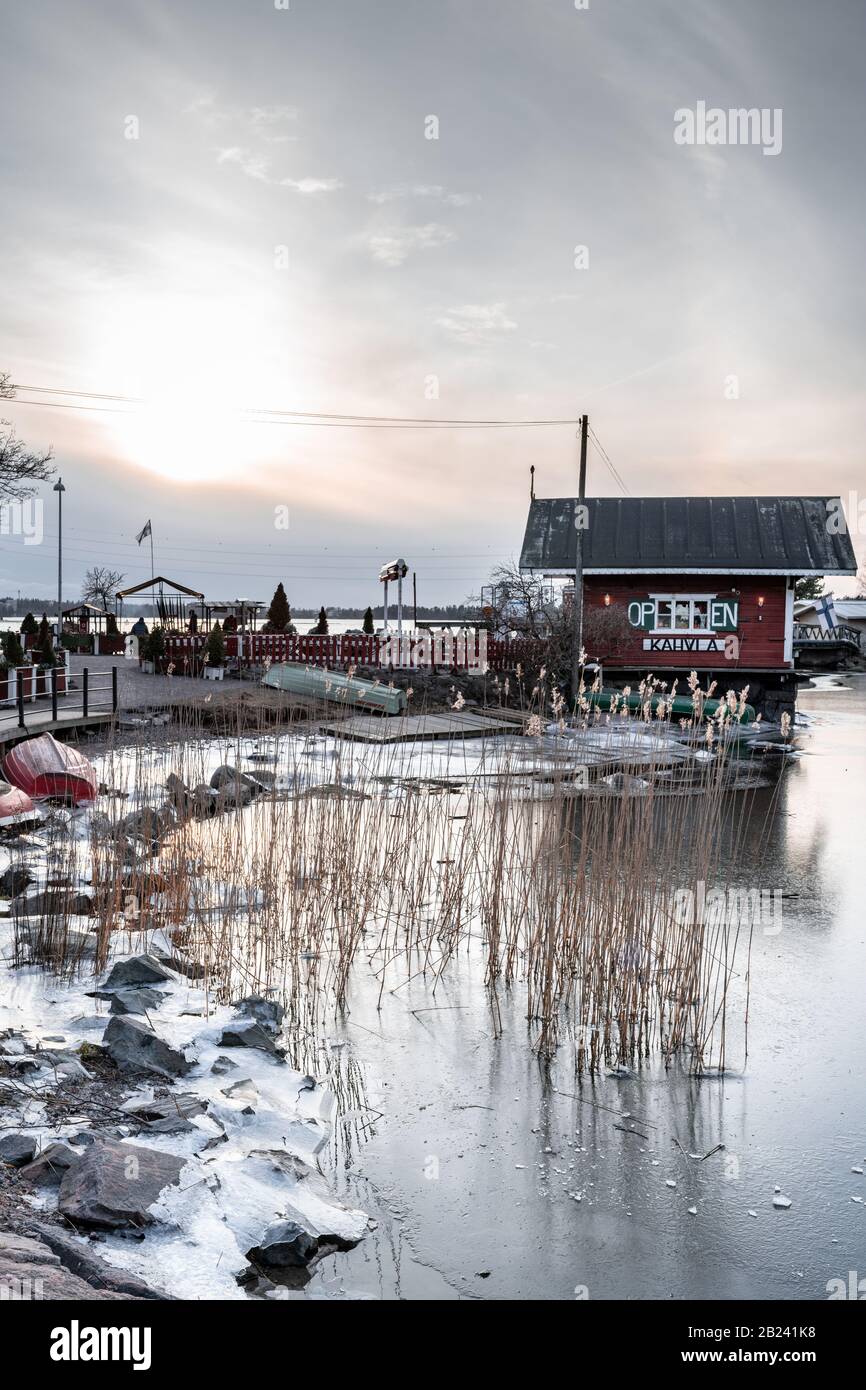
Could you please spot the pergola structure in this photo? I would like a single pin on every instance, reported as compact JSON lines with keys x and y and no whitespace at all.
{"x":170,"y":608}
{"x":86,"y":618}
{"x":245,"y":611}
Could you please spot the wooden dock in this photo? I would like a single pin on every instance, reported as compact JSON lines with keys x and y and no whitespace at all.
{"x":413,"y":728}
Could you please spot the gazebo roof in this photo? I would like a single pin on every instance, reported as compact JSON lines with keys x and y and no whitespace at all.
{"x":161,"y":580}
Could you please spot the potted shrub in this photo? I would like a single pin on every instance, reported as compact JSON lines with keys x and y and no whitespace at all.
{"x":29,"y":628}
{"x":156,"y":648}
{"x":45,"y":663}
{"x":20,"y":666}
{"x":144,"y":657}
{"x":216,"y":654}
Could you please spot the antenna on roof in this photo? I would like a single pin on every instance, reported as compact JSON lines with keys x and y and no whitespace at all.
{"x":532,"y":482}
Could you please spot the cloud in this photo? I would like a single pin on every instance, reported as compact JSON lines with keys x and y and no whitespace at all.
{"x":312,"y":185}
{"x":433,"y":191}
{"x":254,"y":165}
{"x":393,"y":247}
{"x":476,"y":324}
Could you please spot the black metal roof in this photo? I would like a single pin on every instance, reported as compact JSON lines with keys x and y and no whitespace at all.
{"x":725,"y":535}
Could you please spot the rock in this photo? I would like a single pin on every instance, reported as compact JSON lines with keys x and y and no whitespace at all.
{"x":181,"y":966}
{"x":171,"y":1115}
{"x":249,"y":1034}
{"x":244,"y":1090}
{"x":203,"y":800}
{"x":80,"y":1261}
{"x":228,"y":776}
{"x":267,"y":1012}
{"x":114,"y":1184}
{"x":285,"y":1244}
{"x":17,"y":1149}
{"x":151,"y":823}
{"x":135,"y":1001}
{"x":48,"y":1167}
{"x":781,"y":1201}
{"x":223,"y":1065}
{"x":132,"y":1044}
{"x":14,"y":881}
{"x":29,"y":1269}
{"x":137,"y":970}
{"x":54,"y":902}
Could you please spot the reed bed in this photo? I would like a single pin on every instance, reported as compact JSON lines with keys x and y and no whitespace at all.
{"x":377,"y":866}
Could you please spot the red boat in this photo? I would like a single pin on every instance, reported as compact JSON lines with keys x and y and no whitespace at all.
{"x":16,"y":807}
{"x":44,"y":768}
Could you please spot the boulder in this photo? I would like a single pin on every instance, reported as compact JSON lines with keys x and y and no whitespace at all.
{"x":29,"y":1269}
{"x":181,"y":966}
{"x":137,"y":970}
{"x":284,"y":1245}
{"x":132,"y":1045}
{"x":267,"y":1012}
{"x":48,"y":1168}
{"x":249,"y":1033}
{"x":114,"y":1185}
{"x":203,"y":800}
{"x":223,"y":1065}
{"x":54,"y":902}
{"x":14,"y":881}
{"x":17,"y":1149}
{"x":135,"y":1001}
{"x":228,"y":776}
{"x":81,"y":1261}
{"x":151,"y":823}
{"x":171,"y":1115}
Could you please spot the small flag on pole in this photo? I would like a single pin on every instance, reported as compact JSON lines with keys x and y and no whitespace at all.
{"x":145,"y":531}
{"x":826,"y":613}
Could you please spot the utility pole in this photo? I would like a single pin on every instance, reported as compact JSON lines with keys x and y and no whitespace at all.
{"x":577,"y":613}
{"x":59,"y":489}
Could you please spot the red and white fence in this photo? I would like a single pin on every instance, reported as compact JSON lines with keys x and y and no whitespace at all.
{"x":186,"y":653}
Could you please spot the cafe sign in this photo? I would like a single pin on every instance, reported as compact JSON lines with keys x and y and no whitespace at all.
{"x":684,"y":622}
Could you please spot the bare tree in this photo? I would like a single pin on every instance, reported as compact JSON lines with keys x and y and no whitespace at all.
{"x":100,"y":585}
{"x":20,"y":468}
{"x":525,"y":605}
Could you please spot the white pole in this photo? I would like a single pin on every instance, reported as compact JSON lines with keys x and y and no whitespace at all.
{"x":385,"y":608}
{"x":399,"y":607}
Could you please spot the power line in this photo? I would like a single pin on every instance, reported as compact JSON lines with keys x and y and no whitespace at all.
{"x":318,"y":418}
{"x":614,"y":472}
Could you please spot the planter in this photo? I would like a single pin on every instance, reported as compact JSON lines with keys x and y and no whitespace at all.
{"x":147,"y":667}
{"x":214,"y":673}
{"x":25,"y":677}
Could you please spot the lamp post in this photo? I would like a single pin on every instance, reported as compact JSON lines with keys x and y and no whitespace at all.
{"x":59,"y":489}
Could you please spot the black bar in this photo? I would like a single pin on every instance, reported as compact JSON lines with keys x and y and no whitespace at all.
{"x":84,"y":691}
{"x":19,"y":690}
{"x":54,"y":693}
{"x":114,"y":690}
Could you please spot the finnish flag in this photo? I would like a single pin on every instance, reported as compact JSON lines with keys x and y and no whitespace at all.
{"x":826,"y":613}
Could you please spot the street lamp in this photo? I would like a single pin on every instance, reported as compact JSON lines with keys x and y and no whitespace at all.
{"x":59,"y":489}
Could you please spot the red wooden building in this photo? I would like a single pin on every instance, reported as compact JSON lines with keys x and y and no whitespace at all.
{"x":703,"y":583}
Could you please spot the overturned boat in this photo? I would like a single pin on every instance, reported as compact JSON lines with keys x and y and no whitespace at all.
{"x":44,"y":769}
{"x":333,"y":686}
{"x":16,"y":808}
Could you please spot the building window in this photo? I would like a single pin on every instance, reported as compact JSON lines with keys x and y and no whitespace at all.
{"x":692,"y":613}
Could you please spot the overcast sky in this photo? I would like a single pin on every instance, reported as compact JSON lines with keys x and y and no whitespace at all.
{"x":283,"y":235}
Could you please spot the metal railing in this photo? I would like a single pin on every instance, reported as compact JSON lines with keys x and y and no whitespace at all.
{"x":812,"y":633}
{"x":95,"y":695}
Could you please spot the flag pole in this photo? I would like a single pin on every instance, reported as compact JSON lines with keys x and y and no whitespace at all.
{"x":152,"y":569}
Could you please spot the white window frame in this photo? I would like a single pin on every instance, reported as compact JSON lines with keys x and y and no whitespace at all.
{"x":691,"y":600}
